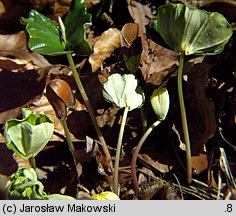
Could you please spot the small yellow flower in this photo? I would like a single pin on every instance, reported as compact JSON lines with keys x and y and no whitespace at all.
{"x":106,"y":195}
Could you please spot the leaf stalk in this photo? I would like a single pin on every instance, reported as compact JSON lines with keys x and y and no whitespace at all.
{"x":135,"y":155}
{"x":184,"y":118}
{"x":118,"y":150}
{"x":90,"y":110}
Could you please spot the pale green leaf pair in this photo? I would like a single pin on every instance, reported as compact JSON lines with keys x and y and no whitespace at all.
{"x":191,"y":30}
{"x":24,"y":185}
{"x":160,"y":102}
{"x":123,"y":91}
{"x":27,"y":137}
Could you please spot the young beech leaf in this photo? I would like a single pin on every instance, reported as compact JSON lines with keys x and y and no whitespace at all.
{"x":44,"y":34}
{"x":123,"y":91}
{"x":49,"y":39}
{"x":27,"y":137}
{"x":24,"y":185}
{"x":192,"y":30}
{"x":160,"y":102}
{"x":76,"y":22}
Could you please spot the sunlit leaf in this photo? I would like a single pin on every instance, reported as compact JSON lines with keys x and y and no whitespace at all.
{"x":123,"y":91}
{"x":192,"y":30}
{"x":106,"y":195}
{"x":24,"y":185}
{"x":104,"y":47}
{"x":47,"y":38}
{"x":76,"y":22}
{"x":44,"y":34}
{"x":27,"y":137}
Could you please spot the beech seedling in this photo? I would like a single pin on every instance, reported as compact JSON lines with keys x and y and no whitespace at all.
{"x":122,"y":90}
{"x":48,"y":38}
{"x":191,"y":31}
{"x":160,"y":102}
{"x":28,"y":136}
{"x":24,"y":185}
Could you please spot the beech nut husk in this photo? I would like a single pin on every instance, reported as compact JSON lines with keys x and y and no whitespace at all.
{"x":60,"y":96}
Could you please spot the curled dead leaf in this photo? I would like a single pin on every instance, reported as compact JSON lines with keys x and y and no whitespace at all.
{"x":15,"y":45}
{"x":163,"y":168}
{"x":104,"y":47}
{"x":157,"y":63}
{"x":141,"y":14}
{"x":129,"y":33}
{"x":91,"y":3}
{"x":61,"y":7}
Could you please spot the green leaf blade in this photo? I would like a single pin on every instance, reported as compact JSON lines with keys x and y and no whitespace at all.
{"x":191,"y":30}
{"x":171,"y":24}
{"x":44,"y":34}
{"x":27,"y":137}
{"x":76,"y":22}
{"x":216,"y":30}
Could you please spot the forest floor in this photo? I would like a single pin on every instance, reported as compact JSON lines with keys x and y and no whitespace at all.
{"x":209,"y":92}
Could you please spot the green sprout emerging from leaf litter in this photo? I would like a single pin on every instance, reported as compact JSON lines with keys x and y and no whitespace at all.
{"x":123,"y":91}
{"x":191,"y":31}
{"x":48,"y":38}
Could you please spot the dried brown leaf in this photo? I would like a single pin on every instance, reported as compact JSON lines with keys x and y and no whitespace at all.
{"x":104,"y":47}
{"x":157,"y":62}
{"x":199,"y":163}
{"x":129,"y":33}
{"x":163,"y":168}
{"x":2,"y":8}
{"x":141,"y":14}
{"x":91,"y":3}
{"x":15,"y":45}
{"x":61,"y":7}
{"x":108,"y":117}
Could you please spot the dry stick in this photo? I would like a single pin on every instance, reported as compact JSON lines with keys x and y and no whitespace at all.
{"x":135,"y":155}
{"x":118,"y":150}
{"x":184,"y":119}
{"x":90,"y":110}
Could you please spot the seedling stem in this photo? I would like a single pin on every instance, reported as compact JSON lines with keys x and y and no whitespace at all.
{"x":118,"y":150}
{"x":90,"y":109}
{"x":184,"y":119}
{"x":135,"y":155}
